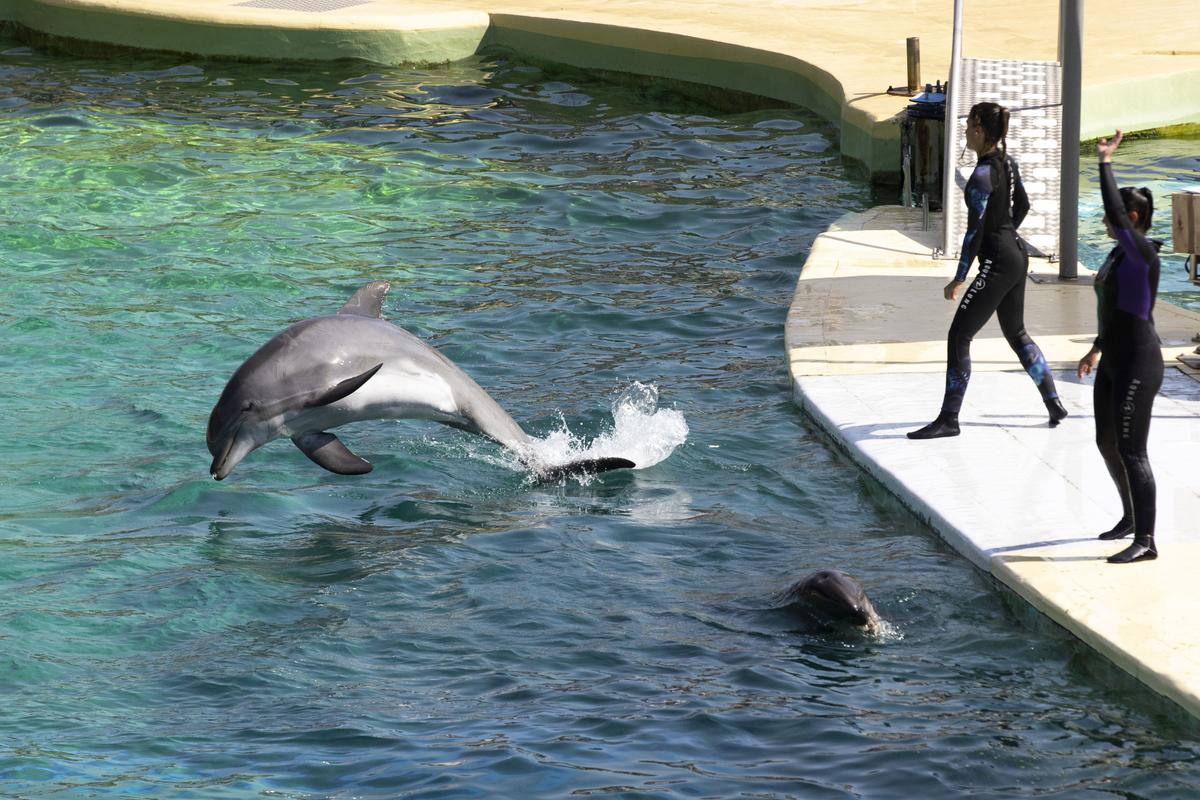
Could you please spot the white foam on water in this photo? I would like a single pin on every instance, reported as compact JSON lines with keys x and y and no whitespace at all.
{"x":888,"y":632}
{"x":641,"y":432}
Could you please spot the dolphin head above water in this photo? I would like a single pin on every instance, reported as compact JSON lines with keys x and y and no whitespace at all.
{"x":273,"y":391}
{"x":833,"y":593}
{"x":234,"y":429}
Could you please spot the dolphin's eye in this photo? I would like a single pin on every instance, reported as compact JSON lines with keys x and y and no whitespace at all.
{"x":249,"y":406}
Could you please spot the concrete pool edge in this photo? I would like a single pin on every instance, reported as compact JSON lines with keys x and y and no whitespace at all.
{"x":423,"y":39}
{"x":1168,"y":694}
{"x":432,"y":39}
{"x":1043,"y":579}
{"x":1043,"y":549}
{"x":785,"y":58}
{"x":720,"y":65}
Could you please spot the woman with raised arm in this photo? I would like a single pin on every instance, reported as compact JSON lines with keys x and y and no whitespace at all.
{"x":1131,"y":370}
{"x":996,"y":205}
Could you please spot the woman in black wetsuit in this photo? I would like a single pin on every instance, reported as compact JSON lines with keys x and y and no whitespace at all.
{"x":1131,"y":370}
{"x":996,"y":205}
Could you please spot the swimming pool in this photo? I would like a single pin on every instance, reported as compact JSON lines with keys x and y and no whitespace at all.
{"x":1164,"y":166}
{"x":441,"y":627}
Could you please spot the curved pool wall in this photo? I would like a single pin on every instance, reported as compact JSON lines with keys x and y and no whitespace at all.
{"x":452,"y":36}
{"x":751,"y":50}
{"x":249,"y":33}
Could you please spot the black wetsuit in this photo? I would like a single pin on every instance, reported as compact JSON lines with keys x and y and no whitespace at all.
{"x":1131,"y":365}
{"x":996,"y":205}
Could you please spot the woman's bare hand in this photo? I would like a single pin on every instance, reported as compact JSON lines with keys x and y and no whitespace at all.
{"x":1106,"y":147}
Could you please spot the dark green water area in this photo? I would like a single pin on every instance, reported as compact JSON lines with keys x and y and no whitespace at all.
{"x":606,"y":266}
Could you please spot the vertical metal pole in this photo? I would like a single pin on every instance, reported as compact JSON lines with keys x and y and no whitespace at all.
{"x":913,"y":52}
{"x":1070,"y":28}
{"x":1061,"y":13}
{"x":906,"y":180}
{"x":950,"y":163}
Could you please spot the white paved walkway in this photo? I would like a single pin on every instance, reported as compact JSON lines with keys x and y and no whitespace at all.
{"x":1021,"y":500}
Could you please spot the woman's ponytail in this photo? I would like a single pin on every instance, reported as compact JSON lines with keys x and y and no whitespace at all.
{"x":993,"y":118}
{"x":1140,"y":201}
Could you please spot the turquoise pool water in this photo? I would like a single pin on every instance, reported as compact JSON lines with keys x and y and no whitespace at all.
{"x":442,"y":627}
{"x":1164,"y":166}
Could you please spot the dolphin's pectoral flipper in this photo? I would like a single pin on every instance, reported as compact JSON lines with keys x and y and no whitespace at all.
{"x":586,"y":466}
{"x":367,"y":301}
{"x":326,"y":450}
{"x":342,"y":388}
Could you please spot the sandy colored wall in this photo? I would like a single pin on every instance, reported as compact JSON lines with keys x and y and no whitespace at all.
{"x":454,"y":37}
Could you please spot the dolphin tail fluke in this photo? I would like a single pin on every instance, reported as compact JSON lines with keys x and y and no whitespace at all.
{"x":326,"y":450}
{"x":586,"y":466}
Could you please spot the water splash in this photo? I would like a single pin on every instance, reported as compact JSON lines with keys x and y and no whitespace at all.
{"x":887,"y":631}
{"x":641,"y":432}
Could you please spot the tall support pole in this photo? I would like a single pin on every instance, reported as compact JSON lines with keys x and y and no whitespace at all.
{"x":950,"y":164}
{"x":1070,"y":48}
{"x":913,"y":48}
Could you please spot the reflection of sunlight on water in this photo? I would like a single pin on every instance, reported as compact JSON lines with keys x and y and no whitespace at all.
{"x":888,"y":632}
{"x":642,"y":432}
{"x":660,"y":507}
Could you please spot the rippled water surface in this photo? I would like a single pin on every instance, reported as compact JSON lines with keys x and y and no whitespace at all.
{"x":444,"y":627}
{"x":1164,"y":166}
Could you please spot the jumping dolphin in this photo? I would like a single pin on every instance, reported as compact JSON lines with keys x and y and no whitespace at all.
{"x":832,"y":593}
{"x":332,"y":370}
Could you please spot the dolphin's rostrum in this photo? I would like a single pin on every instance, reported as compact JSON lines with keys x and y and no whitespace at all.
{"x":350,"y":366}
{"x":832,"y":594}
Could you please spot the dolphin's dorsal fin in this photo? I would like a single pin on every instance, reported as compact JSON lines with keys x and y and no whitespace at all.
{"x":342,"y":389}
{"x":367,"y":301}
{"x":327,"y":450}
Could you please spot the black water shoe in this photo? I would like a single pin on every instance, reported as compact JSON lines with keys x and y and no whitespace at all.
{"x":945,"y":425}
{"x":1140,"y":550}
{"x":1119,"y":531}
{"x":1057,"y":412}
